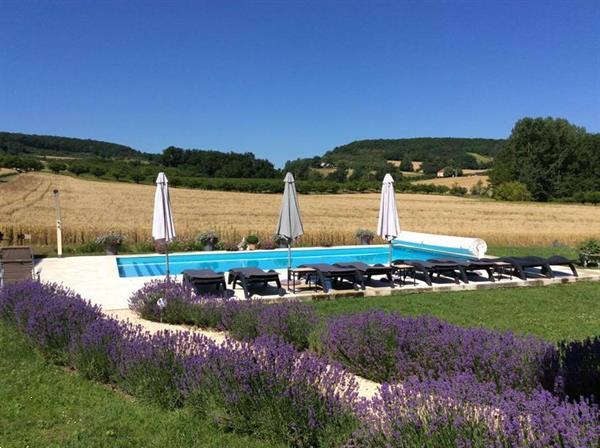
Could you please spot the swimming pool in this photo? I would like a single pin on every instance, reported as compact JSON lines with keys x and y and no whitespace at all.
{"x":154,"y":265}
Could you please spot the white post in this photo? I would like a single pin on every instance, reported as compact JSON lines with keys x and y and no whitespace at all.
{"x":58,"y":224}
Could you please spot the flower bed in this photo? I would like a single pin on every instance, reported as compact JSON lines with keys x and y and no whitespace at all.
{"x":269,"y":389}
{"x":264,"y":388}
{"x":461,"y":411}
{"x":389,"y":347}
{"x":245,"y":320}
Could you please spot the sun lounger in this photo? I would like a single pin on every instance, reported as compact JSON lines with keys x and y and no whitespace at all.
{"x":521,"y":264}
{"x":328,"y":273}
{"x":199,"y":278}
{"x":248,"y":277}
{"x":17,"y":264}
{"x":367,"y":271}
{"x":467,"y":266}
{"x":559,"y":260}
{"x":428,"y":269}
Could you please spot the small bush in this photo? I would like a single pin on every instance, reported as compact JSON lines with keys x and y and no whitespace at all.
{"x":177,"y":296}
{"x":252,"y":239}
{"x":512,"y":191}
{"x":94,"y":354}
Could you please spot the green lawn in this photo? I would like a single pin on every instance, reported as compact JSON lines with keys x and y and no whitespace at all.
{"x":46,"y":406}
{"x":557,"y":312}
{"x":542,"y":251}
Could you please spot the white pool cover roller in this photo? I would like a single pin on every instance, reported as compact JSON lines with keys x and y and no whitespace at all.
{"x":474,"y":247}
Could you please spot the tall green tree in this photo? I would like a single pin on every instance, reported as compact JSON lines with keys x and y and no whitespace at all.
{"x":540,"y":153}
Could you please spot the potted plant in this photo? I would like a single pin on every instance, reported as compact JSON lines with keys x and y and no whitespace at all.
{"x":208,"y":239}
{"x":251,"y":242}
{"x":365,"y":236}
{"x":111,"y":242}
{"x":268,"y":245}
{"x":279,"y":241}
{"x":589,"y":251}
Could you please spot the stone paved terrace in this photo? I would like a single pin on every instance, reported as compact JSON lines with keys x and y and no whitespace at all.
{"x":97,"y":279}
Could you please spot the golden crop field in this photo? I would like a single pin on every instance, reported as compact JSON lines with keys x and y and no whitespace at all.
{"x":462,"y":181}
{"x":90,"y":208}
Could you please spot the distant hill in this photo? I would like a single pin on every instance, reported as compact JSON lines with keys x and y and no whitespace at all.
{"x":29,"y":144}
{"x":422,"y":149}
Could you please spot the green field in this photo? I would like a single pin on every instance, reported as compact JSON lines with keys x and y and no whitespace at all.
{"x":46,"y":406}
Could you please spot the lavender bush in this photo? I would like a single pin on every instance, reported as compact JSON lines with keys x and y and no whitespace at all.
{"x":244,"y":319}
{"x":464,"y":412}
{"x":269,"y":390}
{"x":151,"y":365}
{"x":385,"y":347}
{"x":580,"y":368}
{"x":177,"y":296}
{"x":95,"y":352}
{"x":48,"y":314}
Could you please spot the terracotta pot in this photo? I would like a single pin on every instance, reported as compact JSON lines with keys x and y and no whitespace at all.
{"x":250,"y":246}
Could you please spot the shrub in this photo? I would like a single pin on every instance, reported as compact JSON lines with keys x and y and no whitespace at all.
{"x":177,"y":297}
{"x":245,"y":320}
{"x":94,"y":353}
{"x":365,"y":235}
{"x":230,"y":247}
{"x":512,"y":191}
{"x":457,"y":190}
{"x":292,"y":321}
{"x":111,"y":240}
{"x":460,"y":411}
{"x":268,"y":245}
{"x":589,"y":246}
{"x":151,"y":366}
{"x":580,"y":368}
{"x":50,"y":315}
{"x":252,"y":239}
{"x":208,"y":238}
{"x":385,"y":347}
{"x":269,"y":390}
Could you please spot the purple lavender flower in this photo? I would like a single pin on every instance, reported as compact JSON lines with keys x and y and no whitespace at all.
{"x":460,"y":411}
{"x":384,"y":347}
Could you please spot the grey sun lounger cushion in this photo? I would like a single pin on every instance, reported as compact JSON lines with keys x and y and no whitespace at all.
{"x":367,"y":270}
{"x":428,"y":268}
{"x":330,"y":273}
{"x":470,"y":265}
{"x":203,"y":277}
{"x":247,"y":277}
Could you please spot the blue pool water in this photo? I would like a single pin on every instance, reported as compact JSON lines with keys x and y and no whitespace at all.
{"x":154,"y":265}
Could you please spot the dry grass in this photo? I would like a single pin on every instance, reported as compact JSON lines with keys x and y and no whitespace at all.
{"x":462,"y":181}
{"x":91,"y":208}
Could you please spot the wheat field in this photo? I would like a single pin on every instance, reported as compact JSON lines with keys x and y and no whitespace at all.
{"x":462,"y":181}
{"x":90,"y":208}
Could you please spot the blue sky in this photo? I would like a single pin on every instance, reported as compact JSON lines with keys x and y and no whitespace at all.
{"x":287,"y":79}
